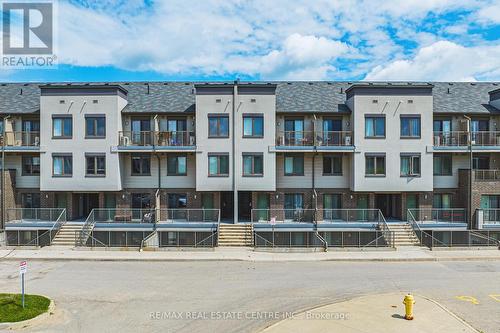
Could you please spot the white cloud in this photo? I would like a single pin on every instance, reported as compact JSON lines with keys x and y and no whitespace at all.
{"x":443,"y":61}
{"x":302,"y":58}
{"x":490,"y":14}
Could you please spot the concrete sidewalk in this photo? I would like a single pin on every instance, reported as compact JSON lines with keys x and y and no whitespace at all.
{"x":248,"y":254}
{"x":374,"y":313}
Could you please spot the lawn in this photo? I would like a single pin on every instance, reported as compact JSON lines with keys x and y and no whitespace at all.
{"x":11,"y":308}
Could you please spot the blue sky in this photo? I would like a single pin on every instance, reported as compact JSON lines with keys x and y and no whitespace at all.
{"x":427,"y":40}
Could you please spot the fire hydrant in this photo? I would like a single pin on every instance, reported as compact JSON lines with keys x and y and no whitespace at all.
{"x":408,"y":302}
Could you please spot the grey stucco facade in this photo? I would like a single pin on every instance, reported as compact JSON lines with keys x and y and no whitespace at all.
{"x":315,"y":147}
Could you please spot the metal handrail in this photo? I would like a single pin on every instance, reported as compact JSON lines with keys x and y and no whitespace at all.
{"x":488,"y":238}
{"x":89,"y":237}
{"x":209,"y":236}
{"x":322,"y":239}
{"x":414,"y":224}
{"x":382,"y":236}
{"x":59,"y":224}
{"x":86,"y":229}
{"x":153,"y":233}
{"x":260,"y":237}
{"x":386,"y":231}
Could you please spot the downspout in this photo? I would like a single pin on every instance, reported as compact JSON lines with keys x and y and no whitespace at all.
{"x":233,"y":160}
{"x":315,"y":194}
{"x":2,"y":206}
{"x":469,"y":144}
{"x":158,"y":191}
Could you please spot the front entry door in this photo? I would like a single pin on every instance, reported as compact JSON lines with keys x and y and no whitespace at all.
{"x":262,"y":214}
{"x":244,"y":206}
{"x":227,"y":205}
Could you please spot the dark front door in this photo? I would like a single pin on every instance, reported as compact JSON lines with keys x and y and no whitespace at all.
{"x":83,"y":203}
{"x":31,"y":132}
{"x":227,"y":205}
{"x":244,"y":206}
{"x":389,"y":205}
{"x":332,"y":131}
{"x":141,"y":131}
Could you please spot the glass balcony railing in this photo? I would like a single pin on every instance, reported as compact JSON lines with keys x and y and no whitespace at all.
{"x":311,"y":138}
{"x":20,"y":139}
{"x":486,"y":175}
{"x":157,"y":138}
{"x":461,"y":138}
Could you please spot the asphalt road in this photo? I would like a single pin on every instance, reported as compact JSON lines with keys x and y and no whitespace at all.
{"x":240,"y":296}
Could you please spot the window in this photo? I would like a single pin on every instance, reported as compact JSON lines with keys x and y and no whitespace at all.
{"x":442,"y":165}
{"x":218,"y":165}
{"x":441,"y":200}
{"x":294,"y":201}
{"x":410,"y":165}
{"x":332,"y":165}
{"x":62,"y":127}
{"x":375,"y":165}
{"x":95,"y":126}
{"x":62,"y":165}
{"x":176,"y":165}
{"x":31,"y":165}
{"x":331,"y":205}
{"x":410,"y":126}
{"x":481,"y":162}
{"x":294,"y":165}
{"x":141,"y":165}
{"x":253,"y":165}
{"x":218,"y":126}
{"x":294,"y":205}
{"x":141,"y":200}
{"x":30,"y":200}
{"x":442,"y":125}
{"x":253,"y":126}
{"x":177,"y":200}
{"x":95,"y":164}
{"x":375,"y":126}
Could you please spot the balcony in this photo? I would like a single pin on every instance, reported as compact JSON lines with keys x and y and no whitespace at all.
{"x":156,"y":140}
{"x":303,"y":140}
{"x":481,"y":140}
{"x":20,"y":141}
{"x":486,"y":175}
{"x":319,"y":216}
{"x":430,"y":218}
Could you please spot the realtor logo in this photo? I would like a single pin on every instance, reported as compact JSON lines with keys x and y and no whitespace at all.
{"x":28,"y":29}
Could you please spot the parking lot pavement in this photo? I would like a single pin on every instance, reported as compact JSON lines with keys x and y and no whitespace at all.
{"x":222,"y":296}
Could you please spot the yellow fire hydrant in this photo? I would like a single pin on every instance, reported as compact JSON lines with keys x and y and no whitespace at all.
{"x":408,"y":302}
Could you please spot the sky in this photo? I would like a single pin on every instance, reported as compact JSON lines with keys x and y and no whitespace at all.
{"x":397,"y":40}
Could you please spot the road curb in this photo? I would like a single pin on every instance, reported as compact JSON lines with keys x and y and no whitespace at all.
{"x":259,"y":260}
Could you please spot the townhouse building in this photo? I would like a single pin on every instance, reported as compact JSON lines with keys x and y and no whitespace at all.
{"x":255,"y":151}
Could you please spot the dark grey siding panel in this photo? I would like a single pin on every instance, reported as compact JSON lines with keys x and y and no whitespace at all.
{"x":299,"y":97}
